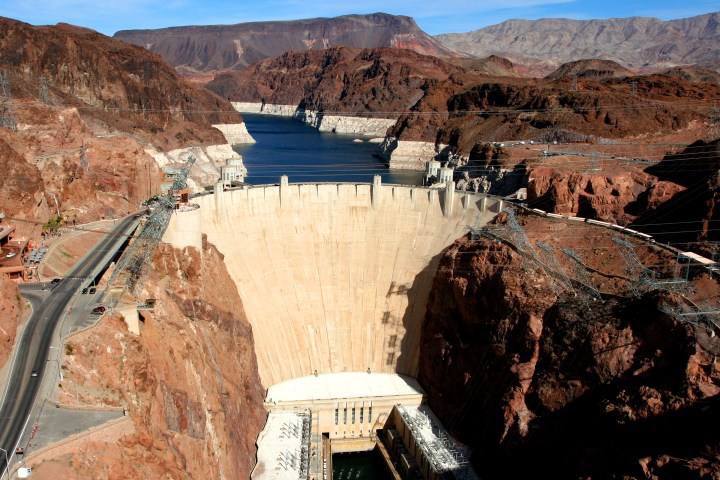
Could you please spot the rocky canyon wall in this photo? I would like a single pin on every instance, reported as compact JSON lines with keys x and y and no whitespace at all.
{"x":554,"y":386}
{"x":189,"y":380}
{"x":11,"y":309}
{"x":376,"y":127}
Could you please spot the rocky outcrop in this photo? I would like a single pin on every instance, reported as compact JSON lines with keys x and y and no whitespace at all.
{"x":224,"y":47}
{"x":695,"y":74}
{"x":402,"y":155}
{"x":57,"y":158}
{"x":206,"y":169}
{"x":265,"y":108}
{"x":545,"y":385}
{"x":635,"y":42}
{"x":339,"y":81}
{"x":590,"y":69}
{"x":189,"y":380}
{"x":693,"y":214}
{"x":463,"y":114}
{"x":365,"y":125}
{"x":615,"y":197}
{"x":84,"y":142}
{"x":235,"y":133}
{"x":376,"y":127}
{"x":119,"y":86}
{"x":11,"y":309}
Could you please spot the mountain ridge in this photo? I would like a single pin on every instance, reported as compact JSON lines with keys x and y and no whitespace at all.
{"x":634,"y":42}
{"x":234,"y":47}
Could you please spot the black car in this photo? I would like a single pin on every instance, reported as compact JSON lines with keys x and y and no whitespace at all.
{"x":55,"y":281}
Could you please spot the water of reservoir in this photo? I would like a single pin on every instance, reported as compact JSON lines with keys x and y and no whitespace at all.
{"x":360,"y":466}
{"x":293,"y":148}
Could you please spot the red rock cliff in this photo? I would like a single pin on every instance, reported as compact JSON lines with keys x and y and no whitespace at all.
{"x":190,"y":379}
{"x":552,"y":388}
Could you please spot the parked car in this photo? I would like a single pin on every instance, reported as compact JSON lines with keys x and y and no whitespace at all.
{"x":55,"y":281}
{"x":98,"y":310}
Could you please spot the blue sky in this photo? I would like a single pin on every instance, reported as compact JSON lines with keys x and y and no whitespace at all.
{"x":433,"y":16}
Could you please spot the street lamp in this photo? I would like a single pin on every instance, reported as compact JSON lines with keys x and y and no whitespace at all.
{"x":7,"y":465}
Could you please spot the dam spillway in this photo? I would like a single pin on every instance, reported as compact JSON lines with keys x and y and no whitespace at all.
{"x":333,"y":277}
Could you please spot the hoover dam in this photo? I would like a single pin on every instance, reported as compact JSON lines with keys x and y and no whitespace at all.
{"x":334,"y":279}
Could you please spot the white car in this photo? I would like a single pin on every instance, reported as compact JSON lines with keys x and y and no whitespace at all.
{"x":11,"y":254}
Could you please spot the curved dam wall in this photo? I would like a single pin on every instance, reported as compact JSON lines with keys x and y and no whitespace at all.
{"x":335,"y":277}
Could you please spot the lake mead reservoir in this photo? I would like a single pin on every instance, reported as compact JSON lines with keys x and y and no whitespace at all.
{"x":290,"y":147}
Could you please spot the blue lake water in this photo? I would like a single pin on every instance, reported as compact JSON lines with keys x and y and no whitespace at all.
{"x":293,"y":148}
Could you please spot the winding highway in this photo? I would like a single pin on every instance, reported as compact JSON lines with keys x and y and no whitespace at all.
{"x":49,"y":303}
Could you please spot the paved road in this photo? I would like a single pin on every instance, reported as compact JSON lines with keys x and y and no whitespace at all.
{"x":32,"y":352}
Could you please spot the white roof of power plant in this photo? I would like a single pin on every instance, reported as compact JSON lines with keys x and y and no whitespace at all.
{"x":280,"y":453}
{"x":343,"y":385}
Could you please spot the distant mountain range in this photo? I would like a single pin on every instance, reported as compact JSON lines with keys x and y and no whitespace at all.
{"x":233,"y":47}
{"x":636,"y":43}
{"x":535,"y":47}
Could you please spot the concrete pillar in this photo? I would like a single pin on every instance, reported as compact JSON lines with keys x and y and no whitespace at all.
{"x":483,"y":203}
{"x":449,"y":198}
{"x":376,"y":193}
{"x":284,"y":191}
{"x":466,"y":201}
{"x":500,"y":206}
{"x":218,"y":196}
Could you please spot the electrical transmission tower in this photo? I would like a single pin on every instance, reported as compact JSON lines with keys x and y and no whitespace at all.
{"x":7,"y":119}
{"x":638,"y":276}
{"x":581,"y":275}
{"x":131,"y":270}
{"x":544,"y":259}
{"x":547,"y":256}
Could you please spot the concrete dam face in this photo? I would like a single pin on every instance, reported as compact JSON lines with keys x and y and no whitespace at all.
{"x":333,"y":277}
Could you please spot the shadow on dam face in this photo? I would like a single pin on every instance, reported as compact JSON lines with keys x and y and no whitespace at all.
{"x":333,"y":277}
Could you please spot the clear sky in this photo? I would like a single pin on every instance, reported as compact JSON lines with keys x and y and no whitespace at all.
{"x":433,"y":16}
